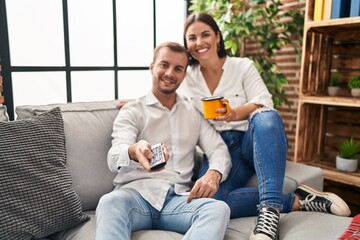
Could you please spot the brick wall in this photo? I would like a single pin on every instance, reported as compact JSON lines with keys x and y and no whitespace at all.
{"x":288,"y":61}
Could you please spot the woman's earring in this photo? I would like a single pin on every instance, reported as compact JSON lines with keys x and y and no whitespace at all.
{"x":190,"y":58}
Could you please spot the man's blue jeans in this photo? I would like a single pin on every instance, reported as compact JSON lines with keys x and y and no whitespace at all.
{"x":260,"y":150}
{"x":123,"y":211}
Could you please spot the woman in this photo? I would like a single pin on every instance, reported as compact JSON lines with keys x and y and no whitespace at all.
{"x":253,"y":132}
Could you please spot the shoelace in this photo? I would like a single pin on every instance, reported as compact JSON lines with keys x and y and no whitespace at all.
{"x":310,"y":205}
{"x":267,"y":223}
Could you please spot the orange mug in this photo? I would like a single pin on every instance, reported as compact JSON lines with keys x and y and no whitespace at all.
{"x":210,"y":104}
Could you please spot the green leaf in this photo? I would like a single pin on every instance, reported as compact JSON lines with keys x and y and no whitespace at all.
{"x":354,"y":82}
{"x":228,"y":44}
{"x":349,"y":149}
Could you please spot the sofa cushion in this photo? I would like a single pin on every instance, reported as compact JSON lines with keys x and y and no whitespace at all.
{"x":293,"y":226}
{"x":88,"y":129}
{"x":312,"y":225}
{"x":3,"y":114}
{"x":87,"y":231}
{"x":37,"y":197}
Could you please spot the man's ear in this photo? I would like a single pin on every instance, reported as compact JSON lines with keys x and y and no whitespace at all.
{"x":151,"y":66}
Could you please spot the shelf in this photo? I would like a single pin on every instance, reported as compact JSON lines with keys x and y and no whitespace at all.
{"x":333,"y":101}
{"x":331,"y":173}
{"x":323,"y":121}
{"x":338,"y":23}
{"x":333,"y":26}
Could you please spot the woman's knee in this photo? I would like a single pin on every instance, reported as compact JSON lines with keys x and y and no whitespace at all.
{"x":267,"y":119}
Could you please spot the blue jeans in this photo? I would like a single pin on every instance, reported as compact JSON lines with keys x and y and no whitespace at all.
{"x":260,"y":150}
{"x":123,"y":211}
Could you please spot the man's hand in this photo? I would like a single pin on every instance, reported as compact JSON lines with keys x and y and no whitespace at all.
{"x":141,"y":152}
{"x":206,"y":186}
{"x":121,"y":103}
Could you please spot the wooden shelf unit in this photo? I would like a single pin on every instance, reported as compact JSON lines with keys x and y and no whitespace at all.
{"x":323,"y":121}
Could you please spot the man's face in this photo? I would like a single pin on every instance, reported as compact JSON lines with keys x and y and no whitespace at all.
{"x":168,"y":70}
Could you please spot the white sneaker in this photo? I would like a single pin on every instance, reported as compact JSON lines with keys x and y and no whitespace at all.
{"x":267,"y":225}
{"x":312,"y":200}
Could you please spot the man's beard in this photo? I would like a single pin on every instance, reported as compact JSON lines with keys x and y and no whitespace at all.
{"x":167,"y":91}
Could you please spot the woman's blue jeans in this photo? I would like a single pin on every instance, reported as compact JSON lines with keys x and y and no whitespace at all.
{"x":260,"y":150}
{"x":123,"y":211}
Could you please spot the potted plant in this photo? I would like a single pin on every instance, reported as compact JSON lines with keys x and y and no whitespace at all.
{"x":354,"y":85}
{"x":347,"y":160}
{"x":333,"y":88}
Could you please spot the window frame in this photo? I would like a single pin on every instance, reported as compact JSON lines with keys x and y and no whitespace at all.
{"x":7,"y":69}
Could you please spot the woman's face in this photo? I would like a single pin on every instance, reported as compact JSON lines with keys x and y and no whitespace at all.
{"x":202,"y":41}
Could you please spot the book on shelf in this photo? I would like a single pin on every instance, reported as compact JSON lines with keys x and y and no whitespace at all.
{"x":318,"y":10}
{"x":355,"y":8}
{"x":340,"y":8}
{"x":327,"y":9}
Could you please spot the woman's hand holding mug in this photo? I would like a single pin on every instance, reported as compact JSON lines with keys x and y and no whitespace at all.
{"x":218,"y":109}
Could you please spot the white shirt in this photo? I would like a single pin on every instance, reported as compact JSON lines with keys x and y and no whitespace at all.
{"x":180,"y":128}
{"x":240,"y":83}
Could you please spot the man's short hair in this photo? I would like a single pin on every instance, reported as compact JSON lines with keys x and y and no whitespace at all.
{"x":176,"y":47}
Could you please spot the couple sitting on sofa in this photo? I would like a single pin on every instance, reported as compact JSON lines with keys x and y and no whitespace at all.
{"x":164,"y":198}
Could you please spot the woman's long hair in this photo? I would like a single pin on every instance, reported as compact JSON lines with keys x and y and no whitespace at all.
{"x":208,"y":20}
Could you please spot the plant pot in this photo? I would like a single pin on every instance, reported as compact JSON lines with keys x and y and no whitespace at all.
{"x":333,"y":91}
{"x":347,"y":165}
{"x":355,"y":92}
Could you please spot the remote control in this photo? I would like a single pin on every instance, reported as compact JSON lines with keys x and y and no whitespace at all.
{"x":158,"y":160}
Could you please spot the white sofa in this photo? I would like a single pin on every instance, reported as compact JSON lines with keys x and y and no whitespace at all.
{"x":88,"y":128}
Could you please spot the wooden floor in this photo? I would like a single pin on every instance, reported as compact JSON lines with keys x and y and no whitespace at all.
{"x":350,"y":194}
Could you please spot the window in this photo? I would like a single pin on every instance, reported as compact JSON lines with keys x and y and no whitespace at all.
{"x":57,"y":51}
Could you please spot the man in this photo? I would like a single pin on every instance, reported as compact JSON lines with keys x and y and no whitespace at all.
{"x":163,"y":199}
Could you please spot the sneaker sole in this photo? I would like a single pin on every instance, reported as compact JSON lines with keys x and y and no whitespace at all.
{"x":339,"y":206}
{"x":260,"y":237}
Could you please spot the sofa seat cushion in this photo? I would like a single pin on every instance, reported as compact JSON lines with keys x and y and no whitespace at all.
{"x":88,"y":128}
{"x":36,"y":193}
{"x":293,"y":226}
{"x":87,"y":231}
{"x":312,"y":225}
